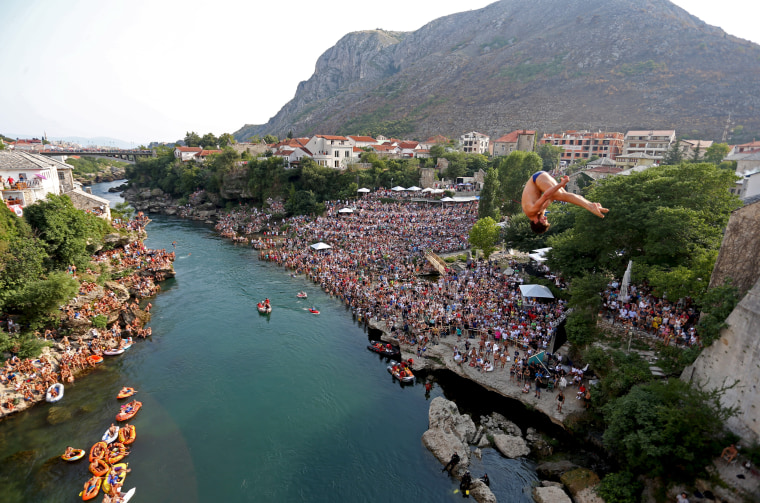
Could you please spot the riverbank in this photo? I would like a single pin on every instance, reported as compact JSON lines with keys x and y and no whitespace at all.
{"x":135,"y":273}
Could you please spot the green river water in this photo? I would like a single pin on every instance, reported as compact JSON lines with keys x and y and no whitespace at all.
{"x":243,"y":407}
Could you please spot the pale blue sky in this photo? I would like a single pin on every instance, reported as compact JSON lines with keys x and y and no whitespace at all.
{"x":144,"y":70}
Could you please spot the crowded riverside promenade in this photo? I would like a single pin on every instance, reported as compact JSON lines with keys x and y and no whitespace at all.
{"x":473,"y":321}
{"x":76,"y":345}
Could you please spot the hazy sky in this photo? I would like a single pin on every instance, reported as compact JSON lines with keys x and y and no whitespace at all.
{"x":144,"y":70}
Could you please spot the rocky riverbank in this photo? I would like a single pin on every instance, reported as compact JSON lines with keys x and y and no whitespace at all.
{"x":75,"y":336}
{"x":199,"y":206}
{"x":451,"y":432}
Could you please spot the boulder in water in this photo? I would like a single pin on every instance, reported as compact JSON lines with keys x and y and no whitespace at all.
{"x":550,"y":495}
{"x":511,"y":446}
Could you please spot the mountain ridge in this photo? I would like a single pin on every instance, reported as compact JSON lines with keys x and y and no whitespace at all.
{"x":596,"y":64}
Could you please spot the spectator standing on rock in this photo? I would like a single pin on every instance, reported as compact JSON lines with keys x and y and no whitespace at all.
{"x":560,"y":400}
{"x":452,"y":463}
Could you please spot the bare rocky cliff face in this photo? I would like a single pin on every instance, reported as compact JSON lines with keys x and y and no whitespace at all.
{"x":546,"y":65}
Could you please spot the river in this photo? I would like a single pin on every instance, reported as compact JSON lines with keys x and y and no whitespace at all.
{"x":243,"y":407}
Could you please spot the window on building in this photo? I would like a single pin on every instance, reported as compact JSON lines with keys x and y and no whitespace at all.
{"x":346,"y":153}
{"x":337,"y":164}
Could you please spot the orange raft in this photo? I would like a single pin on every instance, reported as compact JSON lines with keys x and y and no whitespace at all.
{"x":92,"y":489}
{"x":129,"y":410}
{"x":95,"y":359}
{"x":127,"y":434}
{"x":126,"y":393}
{"x":98,"y":451}
{"x":99,"y":468}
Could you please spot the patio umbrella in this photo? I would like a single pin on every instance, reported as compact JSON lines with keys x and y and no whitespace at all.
{"x":321,"y":246}
{"x":414,"y":188}
{"x":398,"y":188}
{"x":363,"y":190}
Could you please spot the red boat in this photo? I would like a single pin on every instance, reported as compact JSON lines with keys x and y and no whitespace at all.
{"x":129,"y":410}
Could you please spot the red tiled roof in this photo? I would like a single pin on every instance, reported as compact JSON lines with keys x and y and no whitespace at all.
{"x":189,"y":149}
{"x":408,"y":144}
{"x":358,"y":149}
{"x":331,"y":137}
{"x":205,"y":153}
{"x":514,"y":135}
{"x":363,"y":139}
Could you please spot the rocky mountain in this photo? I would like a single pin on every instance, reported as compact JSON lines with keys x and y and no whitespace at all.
{"x":548,"y":65}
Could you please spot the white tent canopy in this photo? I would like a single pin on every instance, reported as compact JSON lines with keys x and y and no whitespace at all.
{"x":346,"y":210}
{"x":321,"y":246}
{"x":414,"y":188}
{"x":429,"y":189}
{"x":363,"y":189}
{"x":398,"y":188}
{"x":539,"y":291}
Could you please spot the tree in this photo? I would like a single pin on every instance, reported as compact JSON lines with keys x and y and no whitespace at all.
{"x":192,"y":139}
{"x":209,"y":141}
{"x":489,"y":203}
{"x":270,"y":138}
{"x":674,"y":155}
{"x":304,"y":203}
{"x":668,"y":219}
{"x":42,"y":297}
{"x":437,"y":151}
{"x":666,"y":427}
{"x":226,"y":139}
{"x":696,"y":156}
{"x":484,"y":235}
{"x":716,"y":152}
{"x":550,"y":156}
{"x":69,"y":234}
{"x":290,"y":134}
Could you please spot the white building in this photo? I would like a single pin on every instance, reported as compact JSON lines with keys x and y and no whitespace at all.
{"x":331,"y":151}
{"x":654,"y":143}
{"x":474,"y":143}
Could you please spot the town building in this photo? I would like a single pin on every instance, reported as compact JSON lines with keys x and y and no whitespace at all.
{"x":654,"y":143}
{"x":583,"y":145}
{"x":26,"y":178}
{"x":474,"y":143}
{"x":595,"y":170}
{"x":331,"y":151}
{"x":522,"y":139}
{"x":688,"y":148}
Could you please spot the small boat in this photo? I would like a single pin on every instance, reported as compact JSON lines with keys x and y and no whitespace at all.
{"x":99,"y":467}
{"x":301,"y":295}
{"x":264,"y":308}
{"x":401,"y":371}
{"x":384,"y":349}
{"x":128,"y":344}
{"x":117,"y":476}
{"x":109,"y":437}
{"x":126,"y":392}
{"x":95,"y":359}
{"x":116,"y":453}
{"x":93,"y":488}
{"x":54,"y":393}
{"x":75,"y":455}
{"x":128,"y":495}
{"x":127,"y":434}
{"x":129,"y":410}
{"x":113,"y":352}
{"x":98,"y":451}
{"x":313,"y":311}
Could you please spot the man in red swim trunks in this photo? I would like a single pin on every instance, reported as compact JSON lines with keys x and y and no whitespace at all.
{"x":541,"y":190}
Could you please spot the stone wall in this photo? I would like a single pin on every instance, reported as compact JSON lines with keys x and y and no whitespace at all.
{"x":738,"y":258}
{"x":734,"y":359}
{"x":84,"y":201}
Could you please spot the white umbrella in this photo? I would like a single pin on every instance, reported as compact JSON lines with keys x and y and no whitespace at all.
{"x":321,"y":246}
{"x":626,"y":281}
{"x":446,"y":200}
{"x":539,"y":291}
{"x":427,"y":190}
{"x":365,"y":190}
{"x":345,"y":210}
{"x":398,"y":188}
{"x":414,"y":188}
